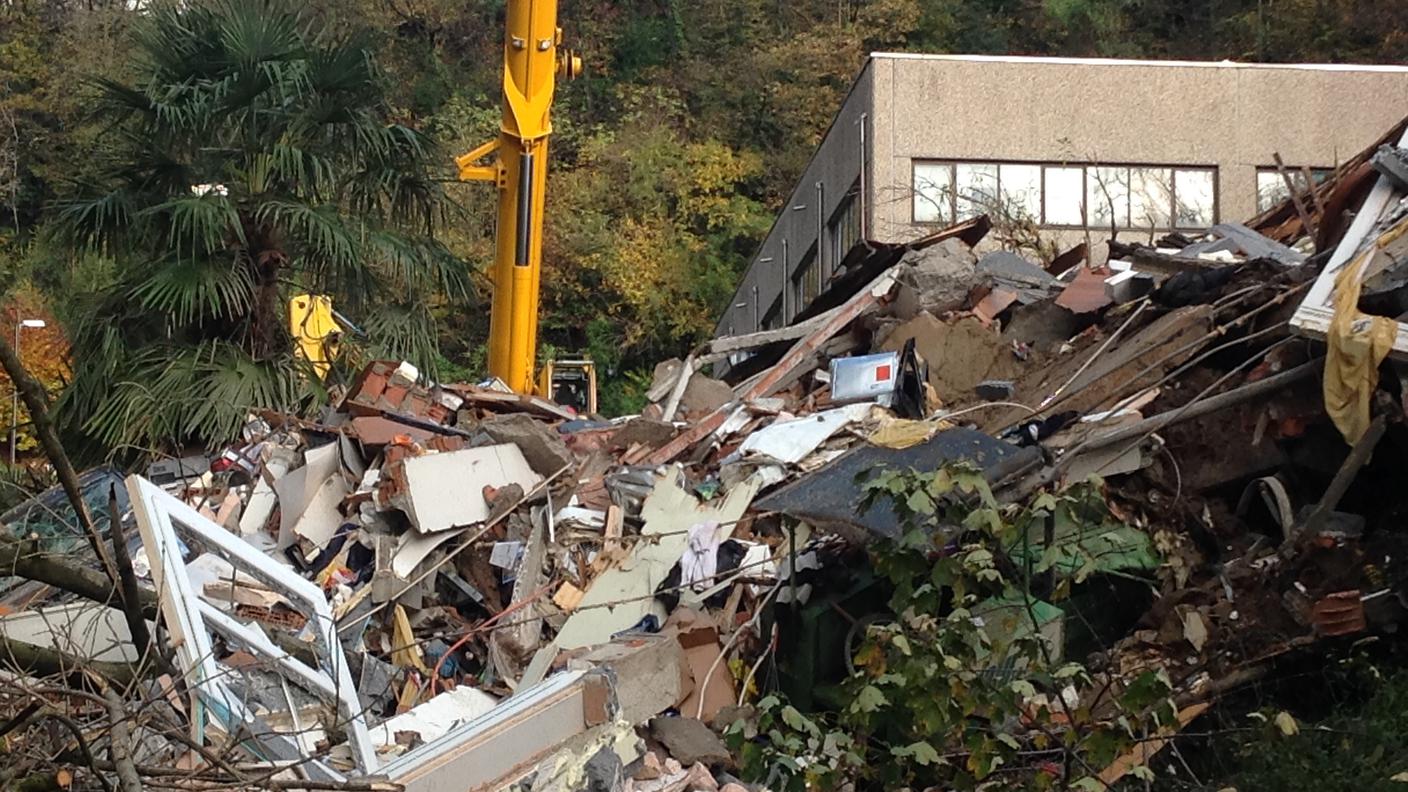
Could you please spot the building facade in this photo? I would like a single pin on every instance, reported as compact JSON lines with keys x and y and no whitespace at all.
{"x":1073,"y":147}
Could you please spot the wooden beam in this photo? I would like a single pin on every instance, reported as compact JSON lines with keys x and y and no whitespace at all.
{"x":1305,"y":221}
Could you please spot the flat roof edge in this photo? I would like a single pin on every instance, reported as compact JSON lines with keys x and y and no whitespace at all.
{"x":1224,"y":64}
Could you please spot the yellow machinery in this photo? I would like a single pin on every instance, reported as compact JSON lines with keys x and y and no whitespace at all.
{"x":315,"y":330}
{"x":533,"y":60}
{"x":570,"y":383}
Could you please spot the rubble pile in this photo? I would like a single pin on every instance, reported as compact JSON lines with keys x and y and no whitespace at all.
{"x":437,"y":581}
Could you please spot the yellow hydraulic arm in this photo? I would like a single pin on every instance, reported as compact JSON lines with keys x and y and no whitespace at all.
{"x":533,"y":59}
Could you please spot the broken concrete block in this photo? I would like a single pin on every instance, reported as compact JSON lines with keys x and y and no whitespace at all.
{"x":689,"y":741}
{"x":699,"y":779}
{"x":604,"y":772}
{"x":650,"y":767}
{"x":732,"y":714}
{"x":940,"y":276}
{"x":652,"y":674}
{"x":703,"y":395}
{"x":1392,"y":163}
{"x":662,"y":380}
{"x":644,"y":432}
{"x":996,"y":390}
{"x":541,"y":445}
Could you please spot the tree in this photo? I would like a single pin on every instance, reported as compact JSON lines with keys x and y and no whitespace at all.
{"x":254,"y":156}
{"x":44,"y":351}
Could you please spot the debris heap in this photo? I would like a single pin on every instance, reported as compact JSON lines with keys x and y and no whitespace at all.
{"x":435,"y":584}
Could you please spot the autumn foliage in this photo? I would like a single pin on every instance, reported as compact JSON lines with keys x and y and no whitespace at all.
{"x":43,"y":350}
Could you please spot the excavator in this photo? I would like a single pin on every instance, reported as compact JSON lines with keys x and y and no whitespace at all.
{"x":534,"y":59}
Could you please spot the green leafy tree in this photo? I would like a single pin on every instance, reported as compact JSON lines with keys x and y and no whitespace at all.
{"x":963,"y":686}
{"x":253,"y":157}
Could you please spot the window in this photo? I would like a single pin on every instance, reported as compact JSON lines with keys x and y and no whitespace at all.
{"x":1064,"y":200}
{"x":975,"y":189}
{"x":1020,"y":190}
{"x":806,"y":281}
{"x":1195,"y":198}
{"x":1271,"y":186}
{"x":1095,"y":196}
{"x":773,"y":318}
{"x":843,"y":232}
{"x":1151,"y":197}
{"x":933,"y":193}
{"x":1107,"y":197}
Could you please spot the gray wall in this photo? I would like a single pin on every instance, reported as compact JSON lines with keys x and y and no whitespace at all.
{"x":1230,"y":115}
{"x":837,"y":165}
{"x":955,"y":107}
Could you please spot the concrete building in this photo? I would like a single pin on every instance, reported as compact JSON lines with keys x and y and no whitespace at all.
{"x":1071,"y":146}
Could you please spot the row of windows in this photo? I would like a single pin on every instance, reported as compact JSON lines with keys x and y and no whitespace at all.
{"x":1066,"y":195}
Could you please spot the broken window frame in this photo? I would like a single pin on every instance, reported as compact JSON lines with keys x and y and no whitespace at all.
{"x":523,"y":729}
{"x":161,"y":519}
{"x":1314,"y":314}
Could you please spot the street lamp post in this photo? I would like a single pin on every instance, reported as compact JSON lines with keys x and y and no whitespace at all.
{"x":15,"y":387}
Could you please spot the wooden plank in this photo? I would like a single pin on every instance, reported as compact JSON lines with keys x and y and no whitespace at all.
{"x":615,"y":523}
{"x":721,"y":348}
{"x":1142,"y":752}
{"x":1295,"y":195}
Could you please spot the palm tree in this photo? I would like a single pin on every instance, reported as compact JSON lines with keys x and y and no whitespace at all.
{"x":254,"y":156}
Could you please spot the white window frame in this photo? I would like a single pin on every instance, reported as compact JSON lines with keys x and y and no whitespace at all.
{"x":1313,"y":315}
{"x":160,"y":519}
{"x":480,"y":753}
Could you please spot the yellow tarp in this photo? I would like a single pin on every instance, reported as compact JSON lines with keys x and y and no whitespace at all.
{"x":1357,"y":345}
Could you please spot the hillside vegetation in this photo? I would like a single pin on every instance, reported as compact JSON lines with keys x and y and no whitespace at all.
{"x":670,"y":157}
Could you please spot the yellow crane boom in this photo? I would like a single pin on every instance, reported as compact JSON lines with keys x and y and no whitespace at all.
{"x":533,"y":60}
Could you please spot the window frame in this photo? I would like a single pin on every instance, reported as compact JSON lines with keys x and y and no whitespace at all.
{"x":808,"y":269}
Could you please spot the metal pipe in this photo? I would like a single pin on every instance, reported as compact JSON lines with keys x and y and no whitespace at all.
{"x":523,"y":228}
{"x":15,"y":402}
{"x":786,"y":284}
{"x":864,"y":229}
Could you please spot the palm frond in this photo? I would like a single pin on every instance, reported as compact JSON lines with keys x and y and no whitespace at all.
{"x":96,"y":220}
{"x":404,"y":331}
{"x":198,"y":289}
{"x":197,"y":225}
{"x":171,"y":394}
{"x":327,"y":240}
{"x":256,"y":35}
{"x":420,"y":265}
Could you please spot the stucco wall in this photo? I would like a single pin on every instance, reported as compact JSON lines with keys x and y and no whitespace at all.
{"x":1232,"y":116}
{"x":999,"y":108}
